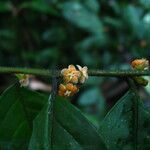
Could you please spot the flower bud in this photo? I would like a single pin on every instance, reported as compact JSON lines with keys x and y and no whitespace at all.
{"x":70,"y":74}
{"x":140,"y":64}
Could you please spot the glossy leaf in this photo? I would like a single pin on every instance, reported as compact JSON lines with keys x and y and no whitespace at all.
{"x":18,"y":107}
{"x":41,"y":138}
{"x":118,"y":126}
{"x":79,"y":15}
{"x":70,"y":129}
{"x":143,"y":129}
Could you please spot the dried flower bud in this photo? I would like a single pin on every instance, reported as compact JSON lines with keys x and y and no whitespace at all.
{"x":23,"y":79}
{"x":70,"y":74}
{"x":140,"y":64}
{"x":67,"y":90}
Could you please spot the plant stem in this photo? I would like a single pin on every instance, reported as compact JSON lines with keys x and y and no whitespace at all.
{"x":45,"y":72}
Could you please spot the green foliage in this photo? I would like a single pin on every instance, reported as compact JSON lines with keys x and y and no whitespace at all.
{"x":58,"y":125}
{"x":39,"y":6}
{"x":145,"y":3}
{"x":84,"y":29}
{"x":118,"y":126}
{"x":64,"y":128}
{"x":29,"y":120}
{"x":5,"y":7}
{"x":18,"y":108}
{"x":79,"y":15}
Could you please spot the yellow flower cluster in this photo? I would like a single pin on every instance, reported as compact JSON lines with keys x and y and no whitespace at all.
{"x":70,"y":74}
{"x":72,"y":77}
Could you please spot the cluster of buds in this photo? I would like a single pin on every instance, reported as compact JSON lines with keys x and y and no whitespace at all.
{"x":140,"y":65}
{"x":72,"y":78}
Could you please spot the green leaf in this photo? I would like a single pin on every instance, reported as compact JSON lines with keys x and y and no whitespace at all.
{"x":145,"y":3}
{"x":89,"y":43}
{"x":144,"y":129}
{"x":68,"y":129}
{"x":93,"y":119}
{"x":79,"y":15}
{"x":117,"y":128}
{"x":132,"y":17}
{"x":18,"y":108}
{"x":113,"y":22}
{"x":5,"y":6}
{"x":41,"y":138}
{"x":39,"y":6}
{"x":93,"y":5}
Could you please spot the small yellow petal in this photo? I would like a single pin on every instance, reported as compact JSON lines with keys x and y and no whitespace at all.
{"x":64,"y":71}
{"x":62,"y":87}
{"x":71,"y":67}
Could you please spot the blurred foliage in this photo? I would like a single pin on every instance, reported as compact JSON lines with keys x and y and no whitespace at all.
{"x":42,"y":33}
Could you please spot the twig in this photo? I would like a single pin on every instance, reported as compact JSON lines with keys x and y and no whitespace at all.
{"x":104,"y":73}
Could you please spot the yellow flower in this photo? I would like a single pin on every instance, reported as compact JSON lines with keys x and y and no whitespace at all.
{"x":67,"y":90}
{"x":140,"y":64}
{"x":70,"y":74}
{"x":84,"y":73}
{"x":23,"y":79}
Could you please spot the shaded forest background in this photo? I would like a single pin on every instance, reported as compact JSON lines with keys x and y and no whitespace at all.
{"x":97,"y":33}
